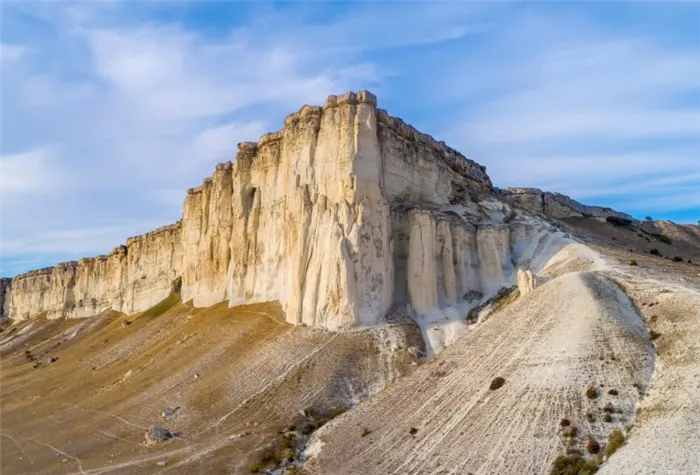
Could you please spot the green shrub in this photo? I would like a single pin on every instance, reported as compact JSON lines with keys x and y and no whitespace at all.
{"x":573,"y":464}
{"x":365,"y":432}
{"x":593,"y":446}
{"x":591,"y":393}
{"x":662,"y":238}
{"x":163,"y":306}
{"x":653,"y":334}
{"x":624,"y":222}
{"x":497,"y":383}
{"x":615,"y":442}
{"x":607,"y":418}
{"x":633,"y":262}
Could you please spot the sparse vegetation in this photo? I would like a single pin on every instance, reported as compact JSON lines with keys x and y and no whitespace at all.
{"x":365,"y":432}
{"x":590,"y":417}
{"x":617,"y":221}
{"x":607,"y":418}
{"x":613,"y":392}
{"x":497,"y":383}
{"x":413,"y":431}
{"x":591,"y":393}
{"x":654,"y":335}
{"x":593,"y":446}
{"x":573,"y":464}
{"x":565,"y":423}
{"x":654,"y":252}
{"x":677,"y":259}
{"x":163,"y":306}
{"x":609,"y":408}
{"x":633,"y":262}
{"x":283,"y":449}
{"x":615,"y":442}
{"x":662,"y":238}
{"x":571,"y":432}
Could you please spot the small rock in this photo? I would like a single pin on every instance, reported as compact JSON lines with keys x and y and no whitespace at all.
{"x":255,"y":424}
{"x":125,"y":323}
{"x":162,"y":463}
{"x":129,"y":374}
{"x":168,"y":411}
{"x":302,"y":412}
{"x":51,"y":359}
{"x":196,"y":375}
{"x":155,"y":435}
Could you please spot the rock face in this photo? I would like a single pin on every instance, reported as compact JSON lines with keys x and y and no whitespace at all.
{"x":5,"y":297}
{"x":555,"y":205}
{"x":340,"y":216}
{"x":130,"y":279}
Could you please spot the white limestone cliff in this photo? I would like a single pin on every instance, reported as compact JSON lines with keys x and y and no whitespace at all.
{"x":341,"y":216}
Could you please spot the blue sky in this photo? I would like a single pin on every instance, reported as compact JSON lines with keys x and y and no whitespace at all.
{"x":110,"y":110}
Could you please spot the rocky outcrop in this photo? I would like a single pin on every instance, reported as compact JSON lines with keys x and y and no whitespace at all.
{"x":304,"y":215}
{"x":5,"y":297}
{"x":340,"y":216}
{"x":555,"y":205}
{"x":526,"y":282}
{"x":687,"y":234}
{"x":131,"y":278}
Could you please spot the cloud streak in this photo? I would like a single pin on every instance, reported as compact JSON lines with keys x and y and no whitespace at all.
{"x":112,"y":110}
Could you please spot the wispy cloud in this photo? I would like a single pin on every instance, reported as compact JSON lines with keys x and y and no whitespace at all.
{"x":33,"y":172}
{"x":10,"y":52}
{"x":112,"y":109}
{"x":594,"y":113}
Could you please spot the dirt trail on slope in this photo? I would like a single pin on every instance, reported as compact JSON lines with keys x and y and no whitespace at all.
{"x":665,"y":439}
{"x":234,"y":379}
{"x":577,"y":331}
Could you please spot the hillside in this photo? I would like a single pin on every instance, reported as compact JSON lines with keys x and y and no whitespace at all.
{"x":350,"y":296}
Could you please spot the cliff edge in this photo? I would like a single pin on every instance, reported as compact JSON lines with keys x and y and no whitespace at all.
{"x":341,"y":216}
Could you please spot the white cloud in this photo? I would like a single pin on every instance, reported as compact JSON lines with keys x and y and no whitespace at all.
{"x":140,"y":108}
{"x":77,"y":242}
{"x":32,"y":172}
{"x":10,"y":52}
{"x":594,"y":114}
{"x":220,"y":143}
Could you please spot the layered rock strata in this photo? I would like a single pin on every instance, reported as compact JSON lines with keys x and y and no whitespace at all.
{"x":343,"y":214}
{"x":555,"y":205}
{"x":132,"y":278}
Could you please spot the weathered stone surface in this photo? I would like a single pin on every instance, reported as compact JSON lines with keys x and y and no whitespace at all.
{"x":555,"y":205}
{"x":131,"y":278}
{"x":156,"y":435}
{"x":343,"y":214}
{"x":526,"y":281}
{"x":5,"y":297}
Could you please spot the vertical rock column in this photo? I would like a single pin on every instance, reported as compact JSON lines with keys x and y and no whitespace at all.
{"x":495,"y":264}
{"x":421,"y":265}
{"x":206,"y":235}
